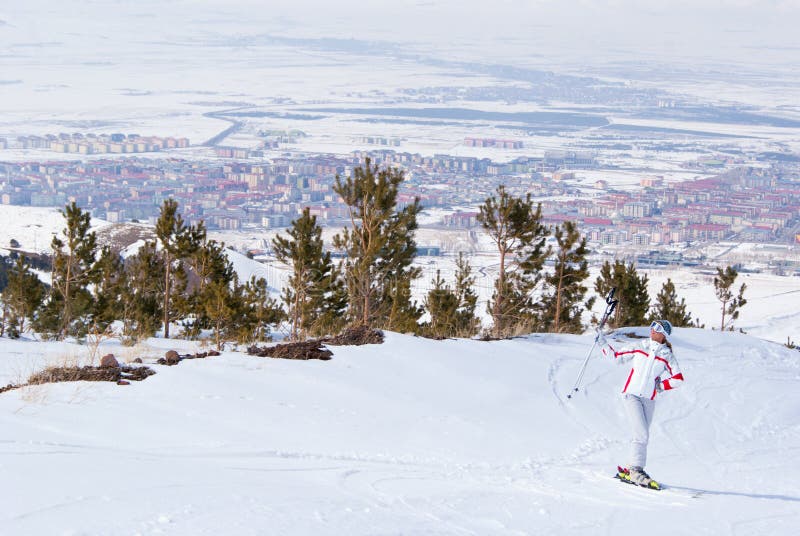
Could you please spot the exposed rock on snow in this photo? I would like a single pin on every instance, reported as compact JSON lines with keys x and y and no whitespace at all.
{"x":109,"y":361}
{"x":171,"y":357}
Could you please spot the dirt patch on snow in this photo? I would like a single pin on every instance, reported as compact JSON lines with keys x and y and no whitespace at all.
{"x":293,"y":350}
{"x":315,"y":348}
{"x":121,"y":375}
{"x":173,"y":358}
{"x":9,"y":387}
{"x":90,"y":374}
{"x":356,"y":336}
{"x":119,"y":236}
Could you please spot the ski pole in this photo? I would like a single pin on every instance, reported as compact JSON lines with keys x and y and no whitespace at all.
{"x":611,"y":304}
{"x":583,"y":367}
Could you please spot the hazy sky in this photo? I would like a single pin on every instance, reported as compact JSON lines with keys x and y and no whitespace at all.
{"x":124,"y":56}
{"x":728,"y":30}
{"x":639,"y":26}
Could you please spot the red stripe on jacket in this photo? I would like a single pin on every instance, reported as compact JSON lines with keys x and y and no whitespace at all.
{"x":638,"y":351}
{"x":635,"y":351}
{"x":629,"y":381}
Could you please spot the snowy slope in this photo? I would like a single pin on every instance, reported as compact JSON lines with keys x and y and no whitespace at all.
{"x":409,"y":437}
{"x":33,"y":227}
{"x":247,"y":268}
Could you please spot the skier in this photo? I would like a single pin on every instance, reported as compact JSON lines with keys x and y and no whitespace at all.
{"x":654,"y":369}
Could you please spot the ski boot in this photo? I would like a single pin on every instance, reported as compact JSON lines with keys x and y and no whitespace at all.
{"x":637,"y":476}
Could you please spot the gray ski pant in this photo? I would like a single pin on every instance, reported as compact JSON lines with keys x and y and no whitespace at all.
{"x":640,"y":415}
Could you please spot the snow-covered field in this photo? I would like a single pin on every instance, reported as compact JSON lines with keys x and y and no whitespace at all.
{"x":409,"y":437}
{"x":157,"y":68}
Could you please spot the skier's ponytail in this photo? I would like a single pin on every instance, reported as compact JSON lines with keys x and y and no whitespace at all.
{"x":669,"y":344}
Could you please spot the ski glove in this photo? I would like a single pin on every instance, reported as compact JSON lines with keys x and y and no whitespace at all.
{"x":605,"y":346}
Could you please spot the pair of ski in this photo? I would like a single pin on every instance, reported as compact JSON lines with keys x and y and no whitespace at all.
{"x":624,"y":475}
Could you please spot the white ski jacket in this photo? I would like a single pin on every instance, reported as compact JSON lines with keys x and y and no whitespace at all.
{"x":653,"y":368}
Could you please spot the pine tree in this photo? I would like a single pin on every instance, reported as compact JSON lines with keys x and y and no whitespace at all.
{"x":731,"y":304}
{"x":452,"y":310}
{"x":441,"y":303}
{"x":107,"y":289}
{"x":22,"y":297}
{"x":467,"y":323}
{"x":206,"y":264}
{"x":634,"y":300}
{"x":69,"y":302}
{"x":668,"y":307}
{"x":222,"y":307}
{"x":177,"y":242}
{"x":516,"y":229}
{"x":142,"y":294}
{"x":564,"y":288}
{"x":315,"y":297}
{"x":379,"y":248}
{"x":5,"y":265}
{"x":404,"y":314}
{"x":258,"y":312}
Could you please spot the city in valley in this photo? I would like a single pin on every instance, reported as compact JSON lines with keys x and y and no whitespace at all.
{"x":657,"y":221}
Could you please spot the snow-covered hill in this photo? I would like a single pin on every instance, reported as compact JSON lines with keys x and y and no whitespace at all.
{"x":409,"y":437}
{"x":34,"y":227}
